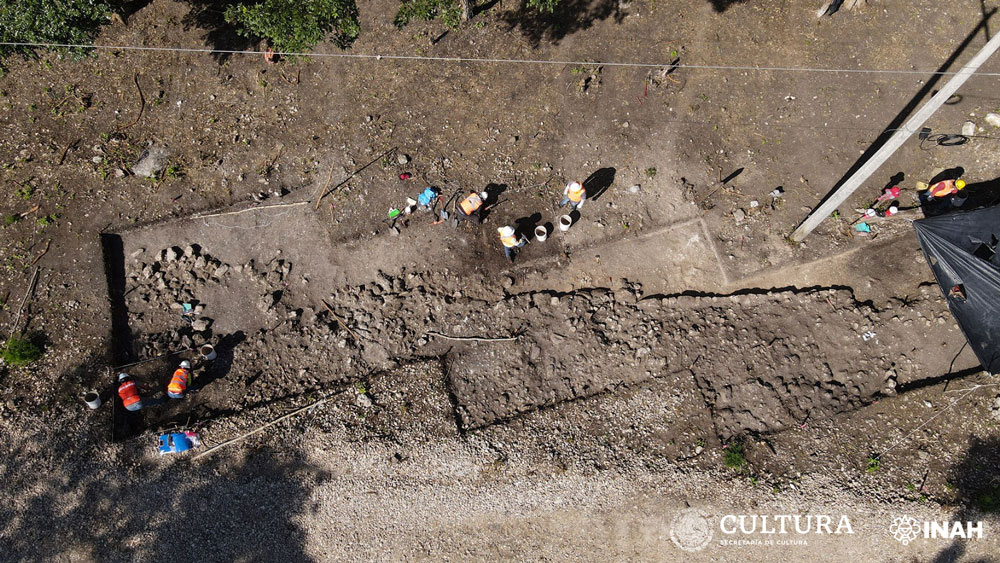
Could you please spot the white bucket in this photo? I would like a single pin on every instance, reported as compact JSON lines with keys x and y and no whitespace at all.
{"x":208,"y":352}
{"x":541,"y":233}
{"x":92,"y":399}
{"x":565,"y":222}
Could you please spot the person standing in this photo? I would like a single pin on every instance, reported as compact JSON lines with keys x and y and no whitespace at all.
{"x":179,"y":382}
{"x":574,"y":194}
{"x":510,"y":241}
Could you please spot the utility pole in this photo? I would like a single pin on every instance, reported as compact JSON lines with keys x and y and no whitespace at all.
{"x":898,"y":138}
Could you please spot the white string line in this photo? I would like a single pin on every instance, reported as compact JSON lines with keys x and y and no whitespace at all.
{"x":492,"y":60}
{"x":939,"y":413}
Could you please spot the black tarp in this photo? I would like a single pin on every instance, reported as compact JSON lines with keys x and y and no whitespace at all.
{"x":961,"y":249}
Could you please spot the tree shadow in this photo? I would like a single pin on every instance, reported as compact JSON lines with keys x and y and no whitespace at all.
{"x":723,"y":5}
{"x":977,"y":486}
{"x":176,"y":510}
{"x":568,"y":17}
{"x":219,"y":34}
{"x":128,"y":8}
{"x":597,"y":183}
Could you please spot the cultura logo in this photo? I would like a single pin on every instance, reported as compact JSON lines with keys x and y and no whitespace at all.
{"x":690,"y":531}
{"x":905,"y":529}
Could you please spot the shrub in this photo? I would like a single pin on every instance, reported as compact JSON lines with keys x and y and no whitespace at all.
{"x":735,"y":458}
{"x":874,"y":464}
{"x":19,"y":351}
{"x":543,"y":6}
{"x":296,"y":26}
{"x":51,"y":21}
{"x":450,"y":12}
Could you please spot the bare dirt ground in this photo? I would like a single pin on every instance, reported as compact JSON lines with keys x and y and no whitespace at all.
{"x":671,"y":321}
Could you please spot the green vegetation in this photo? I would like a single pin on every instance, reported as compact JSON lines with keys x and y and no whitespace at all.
{"x":735,"y":458}
{"x":450,"y":12}
{"x":989,"y":499}
{"x":10,"y":220}
{"x":873,"y":464}
{"x":20,"y":351}
{"x":26,"y":191}
{"x":50,"y":21}
{"x":47,"y":220}
{"x":293,"y":26}
{"x":543,"y":6}
{"x":651,"y":172}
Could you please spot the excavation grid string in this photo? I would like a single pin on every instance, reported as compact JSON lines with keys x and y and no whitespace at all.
{"x":486,"y":60}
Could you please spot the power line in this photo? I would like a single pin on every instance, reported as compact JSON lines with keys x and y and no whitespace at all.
{"x":485,"y":60}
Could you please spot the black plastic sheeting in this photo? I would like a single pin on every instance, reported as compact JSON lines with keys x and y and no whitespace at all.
{"x":961,"y":249}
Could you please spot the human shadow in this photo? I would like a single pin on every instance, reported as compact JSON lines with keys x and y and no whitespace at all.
{"x":223,"y":363}
{"x":982,"y":194}
{"x":597,"y":183}
{"x":182,"y":511}
{"x":568,"y":17}
{"x":526,"y":225}
{"x":977,"y":492}
{"x":894,"y":180}
{"x":948,"y":174}
{"x":493,"y":193}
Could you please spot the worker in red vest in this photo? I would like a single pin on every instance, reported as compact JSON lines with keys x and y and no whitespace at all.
{"x":129,"y":392}
{"x":575,"y":195}
{"x":179,"y":381}
{"x":945,"y":188}
{"x":471,"y":208}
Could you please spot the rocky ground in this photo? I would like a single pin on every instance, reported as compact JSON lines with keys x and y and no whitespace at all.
{"x":611,"y":369}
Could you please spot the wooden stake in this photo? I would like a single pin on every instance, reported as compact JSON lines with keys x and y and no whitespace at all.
{"x":31,"y":287}
{"x":272,"y":423}
{"x":48,"y":243}
{"x":473,"y":338}
{"x":323,"y":191}
{"x":341,"y":321}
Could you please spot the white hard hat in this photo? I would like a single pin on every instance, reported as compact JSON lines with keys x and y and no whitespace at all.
{"x":186,"y":364}
{"x":506,"y":231}
{"x":122,"y":377}
{"x":484,"y":195}
{"x":575,"y":185}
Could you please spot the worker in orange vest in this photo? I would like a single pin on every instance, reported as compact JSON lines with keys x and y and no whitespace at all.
{"x":945,"y":188}
{"x":574,"y":194}
{"x":510,"y":241}
{"x":179,"y":381}
{"x":129,"y":392}
{"x":471,"y":208}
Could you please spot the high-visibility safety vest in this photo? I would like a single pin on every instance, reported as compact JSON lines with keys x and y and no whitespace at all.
{"x":471,"y":204}
{"x":509,"y":242}
{"x":943,"y":188}
{"x":179,"y":382}
{"x":129,"y":393}
{"x":575,"y":193}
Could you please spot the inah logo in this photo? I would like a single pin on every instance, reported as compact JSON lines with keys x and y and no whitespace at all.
{"x":690,"y":531}
{"x":905,"y":528}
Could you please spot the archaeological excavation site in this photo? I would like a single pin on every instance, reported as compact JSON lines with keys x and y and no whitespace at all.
{"x":467,"y":281}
